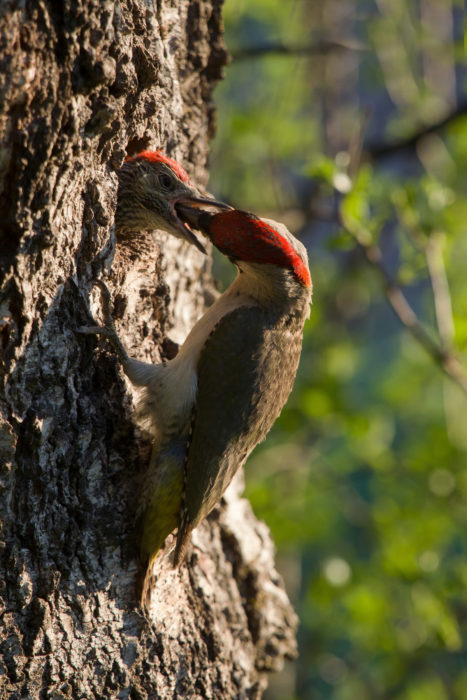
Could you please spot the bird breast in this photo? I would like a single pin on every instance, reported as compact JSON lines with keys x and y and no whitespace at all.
{"x":172,"y":387}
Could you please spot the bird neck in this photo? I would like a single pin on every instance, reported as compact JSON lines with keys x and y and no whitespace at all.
{"x":270,"y":285}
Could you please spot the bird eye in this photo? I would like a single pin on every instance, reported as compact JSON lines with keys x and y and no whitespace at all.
{"x":166,"y":181}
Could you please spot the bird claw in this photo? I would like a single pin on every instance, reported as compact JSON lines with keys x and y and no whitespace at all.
{"x":108,"y":331}
{"x":94,"y":330}
{"x":106,"y":301}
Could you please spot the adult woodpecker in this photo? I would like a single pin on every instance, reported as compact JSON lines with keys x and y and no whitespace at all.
{"x":213,"y":403}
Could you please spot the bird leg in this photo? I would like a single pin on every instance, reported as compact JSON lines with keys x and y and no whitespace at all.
{"x":108,"y":331}
{"x":139,"y":373}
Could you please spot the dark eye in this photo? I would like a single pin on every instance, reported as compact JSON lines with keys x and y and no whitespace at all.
{"x":166,"y":181}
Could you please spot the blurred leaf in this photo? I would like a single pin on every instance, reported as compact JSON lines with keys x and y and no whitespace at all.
{"x":363,"y":479}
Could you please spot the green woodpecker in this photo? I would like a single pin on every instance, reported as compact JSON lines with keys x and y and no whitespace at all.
{"x":218,"y":398}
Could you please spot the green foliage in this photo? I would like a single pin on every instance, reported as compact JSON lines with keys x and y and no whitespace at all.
{"x":363,"y":480}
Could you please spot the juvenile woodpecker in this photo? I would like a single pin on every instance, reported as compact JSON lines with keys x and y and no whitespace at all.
{"x":213,"y":403}
{"x":151,"y":188}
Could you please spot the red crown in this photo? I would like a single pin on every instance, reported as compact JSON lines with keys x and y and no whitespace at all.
{"x":158,"y":157}
{"x":246,"y":237}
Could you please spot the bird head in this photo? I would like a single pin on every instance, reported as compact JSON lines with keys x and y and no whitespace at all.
{"x":152,"y":187}
{"x":246,"y":239}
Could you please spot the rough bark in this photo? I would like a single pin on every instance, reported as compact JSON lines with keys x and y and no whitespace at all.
{"x":82,"y":83}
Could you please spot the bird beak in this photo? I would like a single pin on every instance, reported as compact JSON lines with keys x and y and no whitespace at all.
{"x":186,"y":211}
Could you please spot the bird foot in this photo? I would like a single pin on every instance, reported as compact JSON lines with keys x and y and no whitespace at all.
{"x":108,"y":330}
{"x":95,"y":330}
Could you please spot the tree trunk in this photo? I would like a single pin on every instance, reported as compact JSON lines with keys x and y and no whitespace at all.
{"x":83,"y":83}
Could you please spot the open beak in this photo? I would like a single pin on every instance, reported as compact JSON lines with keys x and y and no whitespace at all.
{"x":187,"y":209}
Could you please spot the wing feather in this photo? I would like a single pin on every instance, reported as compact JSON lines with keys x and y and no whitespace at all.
{"x":245,"y":374}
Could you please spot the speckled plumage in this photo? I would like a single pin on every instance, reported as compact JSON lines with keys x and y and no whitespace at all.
{"x":151,"y":185}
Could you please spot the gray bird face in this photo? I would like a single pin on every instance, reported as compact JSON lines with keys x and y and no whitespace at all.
{"x":148,"y":196}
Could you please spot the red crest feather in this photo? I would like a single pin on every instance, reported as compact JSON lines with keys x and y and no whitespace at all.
{"x":246,"y":237}
{"x":159,"y":157}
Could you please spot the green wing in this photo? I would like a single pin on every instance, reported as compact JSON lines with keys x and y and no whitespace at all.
{"x":245,"y":373}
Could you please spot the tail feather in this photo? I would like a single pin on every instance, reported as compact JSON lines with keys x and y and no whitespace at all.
{"x":147,"y":583}
{"x":183,"y":538}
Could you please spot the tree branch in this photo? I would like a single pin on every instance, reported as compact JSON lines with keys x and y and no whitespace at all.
{"x":441,"y":355}
{"x":320,"y":48}
{"x":440,"y":286}
{"x":377,"y":150}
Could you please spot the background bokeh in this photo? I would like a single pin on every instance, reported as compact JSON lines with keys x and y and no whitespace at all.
{"x":347,"y":121}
